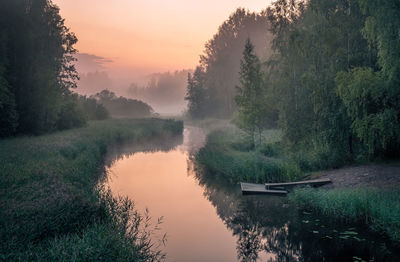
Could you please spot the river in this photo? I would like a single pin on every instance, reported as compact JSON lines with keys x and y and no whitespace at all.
{"x":209,"y":220}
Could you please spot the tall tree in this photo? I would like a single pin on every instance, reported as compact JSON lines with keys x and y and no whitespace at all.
{"x":251,"y":97}
{"x":196,"y":94}
{"x":313,"y":41}
{"x":220,"y":60}
{"x":38,"y":62}
{"x":372,"y":94}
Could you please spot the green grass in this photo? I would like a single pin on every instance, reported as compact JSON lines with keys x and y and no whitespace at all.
{"x":50,"y":207}
{"x":377,"y":208}
{"x":229,"y":154}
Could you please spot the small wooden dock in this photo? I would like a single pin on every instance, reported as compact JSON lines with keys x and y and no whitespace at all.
{"x":313,"y":182}
{"x":279,"y":188}
{"x":256,"y":189}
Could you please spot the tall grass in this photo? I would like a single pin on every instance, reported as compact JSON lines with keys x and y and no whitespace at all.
{"x":232,"y":153}
{"x":49,"y":206}
{"x":230,"y":156}
{"x":228,"y":153}
{"x":376,"y":208}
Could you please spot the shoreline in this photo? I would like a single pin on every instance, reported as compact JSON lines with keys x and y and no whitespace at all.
{"x":50,"y":208}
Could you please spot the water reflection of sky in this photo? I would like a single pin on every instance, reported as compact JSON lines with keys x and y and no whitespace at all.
{"x":208,"y":220}
{"x":160,"y":182}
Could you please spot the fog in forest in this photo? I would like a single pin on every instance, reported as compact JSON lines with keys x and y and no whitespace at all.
{"x":165,"y":91}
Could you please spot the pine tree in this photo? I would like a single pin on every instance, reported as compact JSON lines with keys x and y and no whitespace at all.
{"x":251,"y":98}
{"x":196,"y":94}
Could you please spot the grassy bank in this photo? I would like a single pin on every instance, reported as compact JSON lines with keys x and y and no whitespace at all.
{"x":50,"y":209}
{"x":378,"y":209}
{"x":229,"y":154}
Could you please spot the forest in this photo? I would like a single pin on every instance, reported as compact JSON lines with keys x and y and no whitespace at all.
{"x":324,"y":95}
{"x":38,"y":75}
{"x":325,"y":72}
{"x":164,"y":91}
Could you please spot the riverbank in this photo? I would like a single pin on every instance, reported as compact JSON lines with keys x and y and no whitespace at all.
{"x":50,"y":206}
{"x":368,"y":199}
{"x":379,"y":209}
{"x":366,"y":194}
{"x":230,"y":155}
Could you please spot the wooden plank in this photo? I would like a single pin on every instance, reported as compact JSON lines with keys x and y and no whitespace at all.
{"x":254,"y":189}
{"x":313,"y":182}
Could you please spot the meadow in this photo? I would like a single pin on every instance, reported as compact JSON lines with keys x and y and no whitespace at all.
{"x":52,"y":206}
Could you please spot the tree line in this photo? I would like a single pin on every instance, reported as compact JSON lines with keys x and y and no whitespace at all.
{"x":164,"y":91}
{"x":36,"y":67}
{"x":331,"y":82}
{"x":122,"y":107}
{"x":37,"y":73}
{"x":211,"y":88}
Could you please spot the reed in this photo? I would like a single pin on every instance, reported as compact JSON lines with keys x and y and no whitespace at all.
{"x":380,"y":209}
{"x":50,"y":207}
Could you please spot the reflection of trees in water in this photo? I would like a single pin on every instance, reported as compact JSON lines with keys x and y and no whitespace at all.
{"x":162,"y":143}
{"x":260,"y":223}
{"x":249,"y":243}
{"x":279,"y":242}
{"x":119,"y":151}
{"x":268,"y":226}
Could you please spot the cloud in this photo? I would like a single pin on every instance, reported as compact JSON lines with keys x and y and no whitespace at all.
{"x":90,"y":63}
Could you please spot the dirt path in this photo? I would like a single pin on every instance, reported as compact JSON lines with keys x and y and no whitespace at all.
{"x":377,"y":176}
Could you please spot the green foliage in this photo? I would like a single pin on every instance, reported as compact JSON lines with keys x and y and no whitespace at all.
{"x":70,"y":114}
{"x":379,"y":209}
{"x":92,"y":109}
{"x":336,"y":73}
{"x":317,"y":157}
{"x":220,"y":64}
{"x":49,"y":210}
{"x":8,"y":113}
{"x":196,"y":94}
{"x":381,"y":30}
{"x":231,"y":158}
{"x":372,"y":95}
{"x":364,"y":95}
{"x":313,"y":42}
{"x":36,"y":65}
{"x":230,"y":155}
{"x":251,"y":98}
{"x":121,"y":106}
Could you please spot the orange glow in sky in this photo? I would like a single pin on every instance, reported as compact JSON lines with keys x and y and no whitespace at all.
{"x":153,"y":35}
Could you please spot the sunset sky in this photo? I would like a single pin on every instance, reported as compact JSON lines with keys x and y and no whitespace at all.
{"x":149,"y":35}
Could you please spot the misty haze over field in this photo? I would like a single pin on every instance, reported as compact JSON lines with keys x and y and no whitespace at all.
{"x":164,"y":91}
{"x":132,"y":48}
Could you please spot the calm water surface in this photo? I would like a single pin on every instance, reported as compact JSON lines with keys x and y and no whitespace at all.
{"x":209,"y":220}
